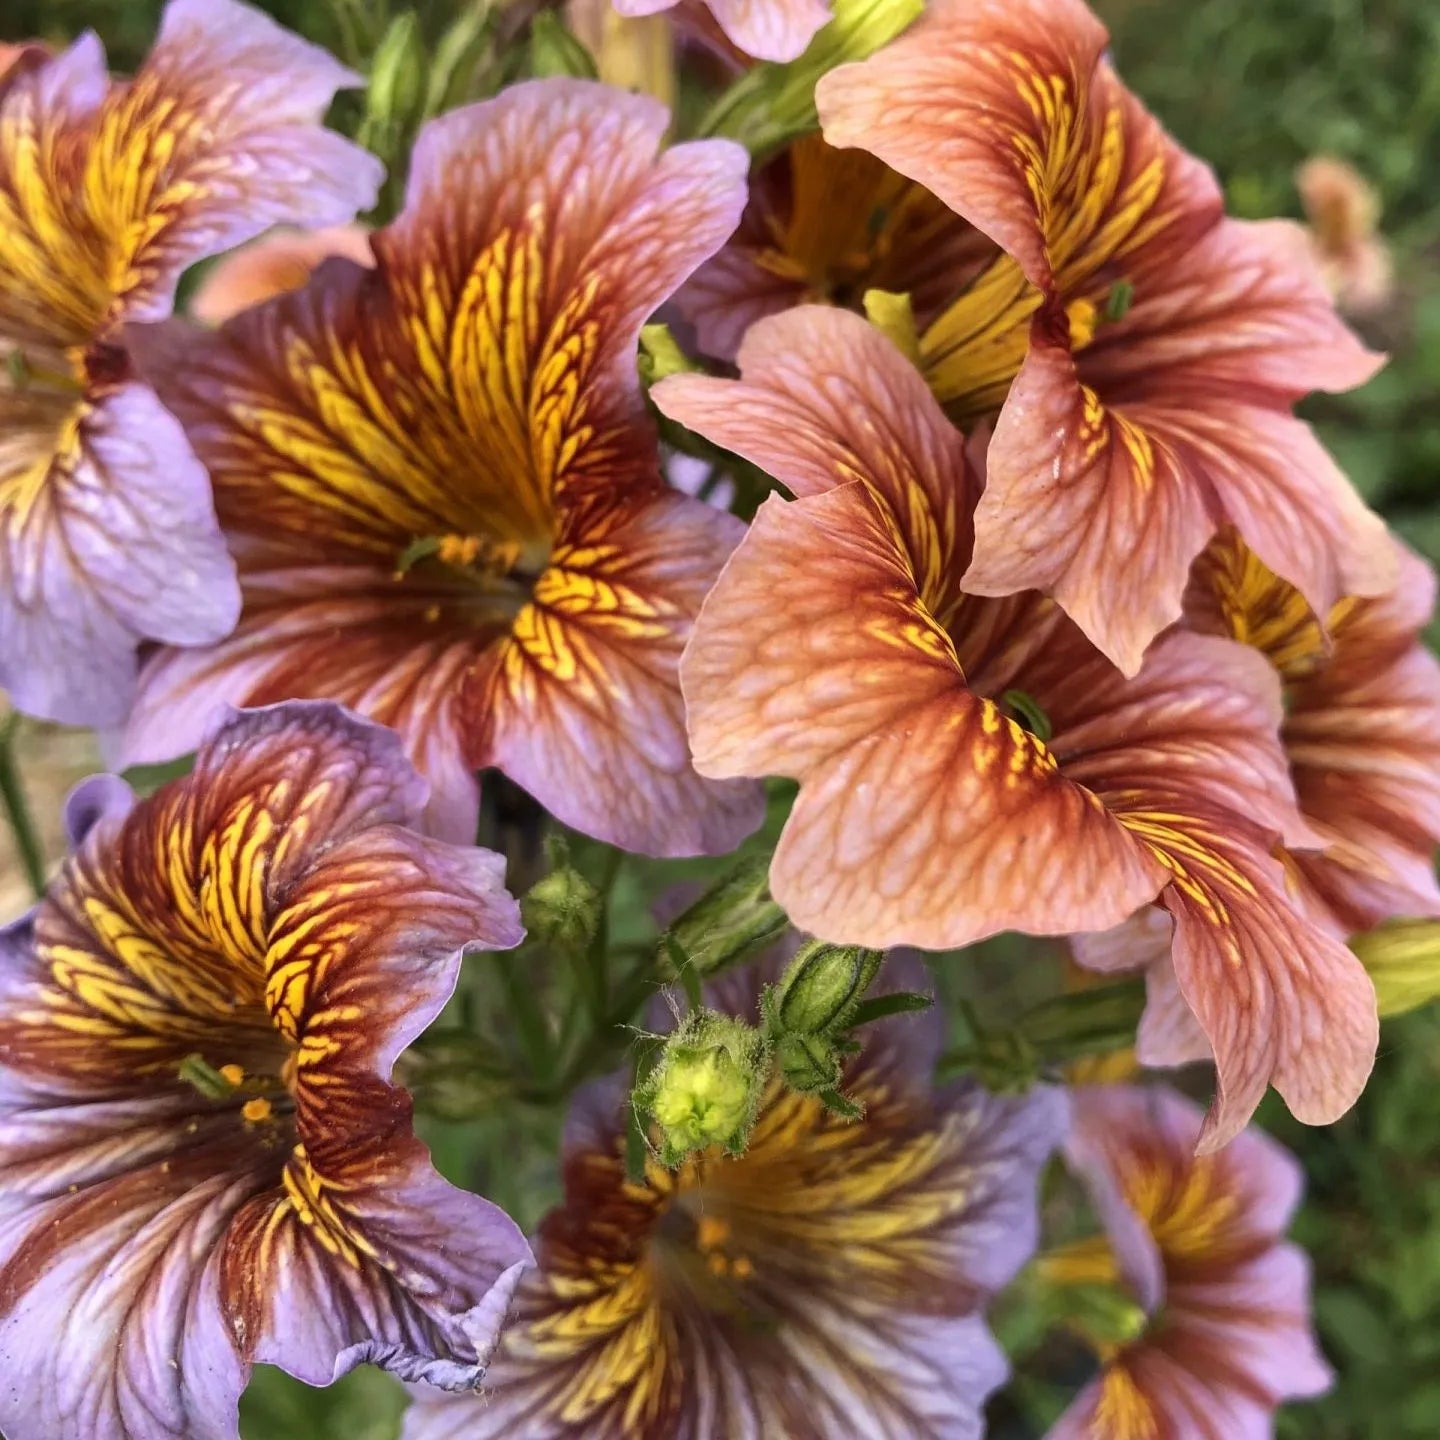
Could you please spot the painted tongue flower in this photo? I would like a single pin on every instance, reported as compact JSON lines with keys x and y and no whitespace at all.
{"x":442,"y":487}
{"x":1199,"y":1243}
{"x":1361,"y":728}
{"x":203,"y":1162}
{"x":1146,"y":349}
{"x":828,"y":225}
{"x":831,"y":1282}
{"x":108,"y":191}
{"x":971,"y":765}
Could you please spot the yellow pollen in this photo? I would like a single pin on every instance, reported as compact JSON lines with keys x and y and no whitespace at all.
{"x":711,"y":1232}
{"x":459,"y":549}
{"x":232,"y":1074}
{"x":257,"y":1111}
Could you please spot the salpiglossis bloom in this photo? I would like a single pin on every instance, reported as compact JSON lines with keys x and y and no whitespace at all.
{"x":108,"y":190}
{"x":203,"y":1162}
{"x":1361,"y":728}
{"x":828,"y":225}
{"x":1143,"y":350}
{"x":830,"y":1282}
{"x":971,"y":765}
{"x":443,"y":489}
{"x":1199,"y":1242}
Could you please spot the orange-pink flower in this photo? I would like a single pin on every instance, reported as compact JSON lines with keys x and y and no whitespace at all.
{"x":970,"y":765}
{"x":1143,"y":351}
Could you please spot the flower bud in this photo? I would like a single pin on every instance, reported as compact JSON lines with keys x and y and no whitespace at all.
{"x":563,"y":911}
{"x":706,"y":1085}
{"x":822,"y":987}
{"x":1403,"y":959}
{"x":808,"y":1063}
{"x":731,"y":922}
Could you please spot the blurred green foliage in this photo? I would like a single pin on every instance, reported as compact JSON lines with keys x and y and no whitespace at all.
{"x":1255,"y":86}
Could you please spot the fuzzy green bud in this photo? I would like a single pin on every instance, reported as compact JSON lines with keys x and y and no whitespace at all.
{"x":808,"y":1063}
{"x":563,"y":911}
{"x":822,"y":987}
{"x":706,"y":1085}
{"x":733,"y":921}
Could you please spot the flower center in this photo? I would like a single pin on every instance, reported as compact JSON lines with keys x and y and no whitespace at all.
{"x":473,"y":571}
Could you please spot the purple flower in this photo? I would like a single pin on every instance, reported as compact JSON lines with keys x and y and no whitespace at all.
{"x":108,"y":191}
{"x":1198,"y":1242}
{"x":203,"y":1162}
{"x":831,"y":1282}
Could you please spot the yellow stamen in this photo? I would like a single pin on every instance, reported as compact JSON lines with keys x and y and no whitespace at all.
{"x":257,"y":1111}
{"x":233,"y":1074}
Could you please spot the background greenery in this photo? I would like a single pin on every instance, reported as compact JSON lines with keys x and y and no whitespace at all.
{"x":1255,"y":86}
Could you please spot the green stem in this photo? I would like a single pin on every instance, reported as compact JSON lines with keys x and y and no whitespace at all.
{"x":17,"y":810}
{"x":524,"y":1008}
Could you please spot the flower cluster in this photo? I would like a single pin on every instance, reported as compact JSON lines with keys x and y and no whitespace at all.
{"x":1033,"y":607}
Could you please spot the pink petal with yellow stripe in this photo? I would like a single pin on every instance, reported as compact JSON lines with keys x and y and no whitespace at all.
{"x":205,"y":1161}
{"x":1143,"y":352}
{"x":840,"y":647}
{"x":442,"y":486}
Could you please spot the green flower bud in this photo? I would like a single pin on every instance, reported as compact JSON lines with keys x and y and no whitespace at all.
{"x":822,"y":987}
{"x":808,"y":1063}
{"x":706,"y":1085}
{"x":731,"y":922}
{"x":1403,"y":959}
{"x":397,"y":74}
{"x":563,"y":911}
{"x":555,"y":51}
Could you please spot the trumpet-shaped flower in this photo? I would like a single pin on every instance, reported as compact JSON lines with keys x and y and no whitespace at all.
{"x":1143,"y":351}
{"x":203,"y":1162}
{"x":108,"y":190}
{"x":828,"y":225}
{"x":1199,"y":1243}
{"x":1361,"y":728}
{"x":443,"y":489}
{"x":830,"y":1282}
{"x":970,"y":765}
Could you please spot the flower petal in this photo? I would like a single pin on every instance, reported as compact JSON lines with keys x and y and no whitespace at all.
{"x":215,"y":140}
{"x":810,"y":660}
{"x":582,"y":704}
{"x":114,"y":543}
{"x":765,"y":29}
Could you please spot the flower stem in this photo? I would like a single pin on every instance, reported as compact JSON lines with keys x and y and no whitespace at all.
{"x":17,"y":810}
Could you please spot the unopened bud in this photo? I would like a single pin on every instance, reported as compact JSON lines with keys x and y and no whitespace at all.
{"x":1403,"y":959}
{"x":563,"y":911}
{"x":730,"y":923}
{"x":808,"y":1063}
{"x":822,"y":987}
{"x":706,"y":1085}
